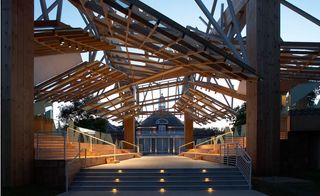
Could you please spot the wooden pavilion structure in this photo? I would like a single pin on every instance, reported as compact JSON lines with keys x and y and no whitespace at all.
{"x":133,"y":49}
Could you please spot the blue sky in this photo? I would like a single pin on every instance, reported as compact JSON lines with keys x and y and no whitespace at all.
{"x":186,"y":12}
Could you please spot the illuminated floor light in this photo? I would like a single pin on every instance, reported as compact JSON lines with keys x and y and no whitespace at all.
{"x":162,"y":180}
{"x":210,"y":190}
{"x":204,"y":171}
{"x":161,"y":171}
{"x":207,"y":180}
{"x":117,"y":180}
{"x":162,"y":190}
{"x":114,"y":190}
{"x":119,"y":171}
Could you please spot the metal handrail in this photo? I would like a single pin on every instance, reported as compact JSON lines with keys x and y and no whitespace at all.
{"x":206,"y":141}
{"x":134,"y":145}
{"x":92,"y":137}
{"x":245,"y":165}
{"x":193,"y":144}
{"x":78,"y":155}
{"x":220,"y":136}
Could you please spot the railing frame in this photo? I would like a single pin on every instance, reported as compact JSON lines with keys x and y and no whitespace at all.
{"x":92,"y":137}
{"x":67,"y":164}
{"x":193,"y":144}
{"x":243,"y":160}
{"x":245,"y":165}
{"x":131,"y":144}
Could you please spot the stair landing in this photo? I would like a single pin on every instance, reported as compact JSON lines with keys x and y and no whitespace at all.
{"x":160,"y":162}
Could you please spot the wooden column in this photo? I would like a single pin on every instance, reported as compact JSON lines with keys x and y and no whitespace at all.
{"x":263,"y":102}
{"x":129,"y":131}
{"x":188,"y":130}
{"x":17,"y":92}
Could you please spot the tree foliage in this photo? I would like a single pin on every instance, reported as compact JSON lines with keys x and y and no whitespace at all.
{"x":311,"y":97}
{"x":81,"y":117}
{"x":241,"y":113}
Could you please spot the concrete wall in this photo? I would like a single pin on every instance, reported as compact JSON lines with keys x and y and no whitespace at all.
{"x":52,"y":173}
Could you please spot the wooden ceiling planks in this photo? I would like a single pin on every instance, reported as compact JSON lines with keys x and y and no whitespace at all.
{"x":63,"y":39}
{"x":300,"y":60}
{"x":78,"y":82}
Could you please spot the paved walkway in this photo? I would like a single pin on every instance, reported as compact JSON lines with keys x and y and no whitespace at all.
{"x":158,"y":162}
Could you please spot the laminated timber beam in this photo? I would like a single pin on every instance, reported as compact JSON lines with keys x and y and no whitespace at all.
{"x":67,"y":40}
{"x":78,"y":82}
{"x":137,"y":27}
{"x":220,"y":89}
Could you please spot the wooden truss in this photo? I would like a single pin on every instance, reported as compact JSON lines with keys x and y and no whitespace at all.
{"x":203,"y":108}
{"x":300,"y":60}
{"x":64,"y":39}
{"x":146,"y":51}
{"x":78,"y":82}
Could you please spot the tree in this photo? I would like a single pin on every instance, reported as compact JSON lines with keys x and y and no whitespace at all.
{"x":241,"y":113}
{"x":81,"y":117}
{"x":311,"y":97}
{"x":74,"y":111}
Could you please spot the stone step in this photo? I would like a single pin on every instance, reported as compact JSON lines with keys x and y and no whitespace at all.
{"x":156,"y":187}
{"x":158,"y":183}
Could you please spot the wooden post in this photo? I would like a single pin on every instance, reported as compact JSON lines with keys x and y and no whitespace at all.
{"x":17,"y":92}
{"x":188,"y":130}
{"x":263,"y":95}
{"x":129,"y":131}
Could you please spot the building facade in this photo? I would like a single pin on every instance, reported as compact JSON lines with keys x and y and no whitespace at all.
{"x":160,"y":133}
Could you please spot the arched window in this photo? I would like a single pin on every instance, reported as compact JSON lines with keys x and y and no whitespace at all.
{"x":162,"y":121}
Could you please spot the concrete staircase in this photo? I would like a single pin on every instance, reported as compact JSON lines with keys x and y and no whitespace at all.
{"x":157,"y":180}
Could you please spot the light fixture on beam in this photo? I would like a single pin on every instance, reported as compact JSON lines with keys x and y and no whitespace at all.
{"x":61,"y":42}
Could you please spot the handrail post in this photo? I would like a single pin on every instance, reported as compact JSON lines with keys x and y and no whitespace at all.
{"x":90,"y":140}
{"x":79,"y":146}
{"x":65,"y":159}
{"x":114,"y":153}
{"x":85,"y":158}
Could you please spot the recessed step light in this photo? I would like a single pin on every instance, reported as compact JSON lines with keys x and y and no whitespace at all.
{"x":204,"y":171}
{"x":114,"y":190}
{"x":210,"y":190}
{"x":117,"y":180}
{"x":119,"y":171}
{"x":161,"y":171}
{"x":207,"y":180}
{"x":162,"y":180}
{"x":162,"y":190}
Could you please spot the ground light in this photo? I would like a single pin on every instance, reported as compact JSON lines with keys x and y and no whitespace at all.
{"x":162,"y":190}
{"x":114,"y":190}
{"x":210,"y":190}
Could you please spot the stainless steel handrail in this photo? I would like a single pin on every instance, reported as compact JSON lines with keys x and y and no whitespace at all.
{"x":193,"y":144}
{"x":92,"y":137}
{"x":134,"y":145}
{"x":67,"y":164}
